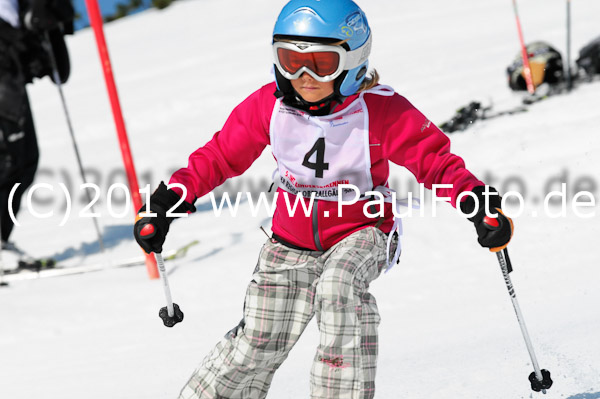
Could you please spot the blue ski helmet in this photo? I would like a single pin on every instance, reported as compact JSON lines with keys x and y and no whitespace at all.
{"x":327,"y":21}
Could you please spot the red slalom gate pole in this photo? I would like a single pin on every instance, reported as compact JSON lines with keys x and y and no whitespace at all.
{"x":96,"y":22}
{"x":526,"y":67}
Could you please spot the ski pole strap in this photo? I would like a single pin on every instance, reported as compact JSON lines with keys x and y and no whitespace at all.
{"x":504,"y":261}
{"x":509,"y":267}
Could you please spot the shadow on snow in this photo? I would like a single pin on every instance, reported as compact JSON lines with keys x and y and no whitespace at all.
{"x":588,"y":395}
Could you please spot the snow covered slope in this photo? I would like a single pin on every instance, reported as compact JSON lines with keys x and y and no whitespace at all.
{"x":448,"y":327}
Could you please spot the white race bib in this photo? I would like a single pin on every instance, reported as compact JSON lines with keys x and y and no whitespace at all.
{"x":316,"y":154}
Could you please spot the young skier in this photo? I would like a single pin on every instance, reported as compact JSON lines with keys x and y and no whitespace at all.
{"x":328,"y":123}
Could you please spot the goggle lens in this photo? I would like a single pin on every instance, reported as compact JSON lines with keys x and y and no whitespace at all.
{"x":323,"y":63}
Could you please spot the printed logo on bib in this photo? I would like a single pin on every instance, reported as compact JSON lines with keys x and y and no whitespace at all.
{"x":317,"y":154}
{"x":330,"y":191}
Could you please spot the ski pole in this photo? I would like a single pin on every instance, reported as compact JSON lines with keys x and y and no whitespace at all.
{"x":2,"y":282}
{"x":569,"y":77}
{"x":57,"y":81}
{"x":540,"y":379}
{"x":170,"y":314}
{"x":525,"y":56}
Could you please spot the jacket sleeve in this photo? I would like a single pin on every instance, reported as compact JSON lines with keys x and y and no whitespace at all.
{"x":412,"y":141}
{"x":232,"y":150}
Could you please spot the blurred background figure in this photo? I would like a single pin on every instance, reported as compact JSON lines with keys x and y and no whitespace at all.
{"x":31,"y":34}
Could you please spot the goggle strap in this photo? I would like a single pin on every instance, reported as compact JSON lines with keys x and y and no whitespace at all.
{"x":358,"y":56}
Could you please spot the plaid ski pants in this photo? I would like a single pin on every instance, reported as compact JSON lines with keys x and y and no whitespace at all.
{"x":288,"y":287}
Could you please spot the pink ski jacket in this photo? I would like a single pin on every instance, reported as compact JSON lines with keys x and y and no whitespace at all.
{"x":397,"y":132}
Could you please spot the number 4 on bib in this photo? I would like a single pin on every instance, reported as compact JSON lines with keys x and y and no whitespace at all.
{"x":320,"y":165}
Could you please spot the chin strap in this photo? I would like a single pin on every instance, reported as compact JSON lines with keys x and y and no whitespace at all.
{"x":319,"y":108}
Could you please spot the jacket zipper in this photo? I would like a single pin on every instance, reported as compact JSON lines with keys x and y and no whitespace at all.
{"x":315,"y":225}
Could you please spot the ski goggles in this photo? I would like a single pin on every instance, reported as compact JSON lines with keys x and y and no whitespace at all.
{"x":324,"y":62}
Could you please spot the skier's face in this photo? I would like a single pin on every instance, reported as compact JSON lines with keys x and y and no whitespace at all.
{"x":311,"y":90}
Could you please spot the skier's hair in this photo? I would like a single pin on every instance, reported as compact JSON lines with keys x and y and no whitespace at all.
{"x":371,"y":81}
